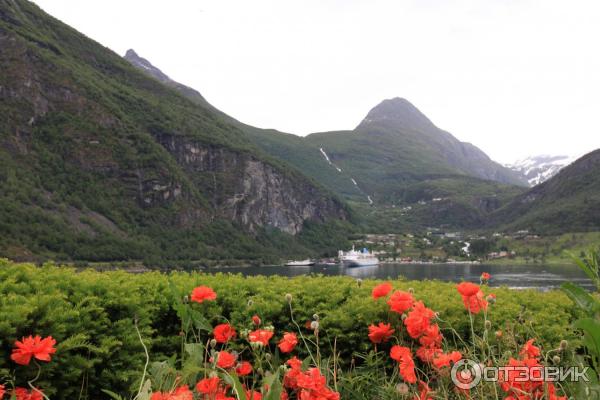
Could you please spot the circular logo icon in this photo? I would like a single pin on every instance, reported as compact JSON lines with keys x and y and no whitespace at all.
{"x":466,"y":374}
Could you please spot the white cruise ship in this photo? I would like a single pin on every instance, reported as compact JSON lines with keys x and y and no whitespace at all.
{"x":355,"y":258}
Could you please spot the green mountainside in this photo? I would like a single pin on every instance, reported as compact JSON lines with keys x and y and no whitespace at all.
{"x":568,"y":202}
{"x":396,"y":146}
{"x":102,"y":162}
{"x":395,"y":161}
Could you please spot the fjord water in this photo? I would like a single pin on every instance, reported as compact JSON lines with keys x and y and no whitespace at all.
{"x":538,"y":276}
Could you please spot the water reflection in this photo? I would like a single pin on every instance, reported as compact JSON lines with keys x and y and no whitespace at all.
{"x":516,"y":276}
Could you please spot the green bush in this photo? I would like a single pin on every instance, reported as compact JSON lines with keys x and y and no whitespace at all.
{"x":97,"y":309}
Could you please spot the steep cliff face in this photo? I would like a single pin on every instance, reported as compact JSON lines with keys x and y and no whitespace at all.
{"x":98,"y":158}
{"x":249,"y":191}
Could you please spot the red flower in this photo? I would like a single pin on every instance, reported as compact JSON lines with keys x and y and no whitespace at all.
{"x":467,"y":289}
{"x":380,"y":333}
{"x":431,"y":337}
{"x":24,"y":394}
{"x":444,"y":360}
{"x":2,"y":391}
{"x":202,"y":293}
{"x":225,"y":360}
{"x":260,"y":336}
{"x":381,"y":290}
{"x":288,"y":342}
{"x":400,"y":301}
{"x":253,"y":395}
{"x":427,"y":354}
{"x":208,"y":386}
{"x":423,"y":391}
{"x":256,"y":320}
{"x":485,"y":277}
{"x":474,"y":304}
{"x":529,"y":350}
{"x":36,"y":347}
{"x":243,"y":368}
{"x":181,"y":393}
{"x":418,"y":320}
{"x":223,"y":333}
{"x":406,"y":363}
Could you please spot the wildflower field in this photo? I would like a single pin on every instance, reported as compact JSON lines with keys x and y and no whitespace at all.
{"x":90,"y":335}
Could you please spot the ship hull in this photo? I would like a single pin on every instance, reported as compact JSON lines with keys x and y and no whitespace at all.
{"x":361,"y":263}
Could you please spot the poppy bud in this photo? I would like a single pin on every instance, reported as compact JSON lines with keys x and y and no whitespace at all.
{"x":564,"y":344}
{"x":359,"y":282}
{"x":498,"y":334}
{"x":250,"y":302}
{"x":213,"y":343}
{"x":256,"y":320}
{"x":314,"y":325}
{"x":402,"y":388}
{"x":556,"y":359}
{"x":488,"y":324}
{"x":316,"y":317}
{"x":411,"y":290}
{"x":186,"y":299}
{"x":268,"y":356}
{"x":288,"y":297}
{"x":403,"y":317}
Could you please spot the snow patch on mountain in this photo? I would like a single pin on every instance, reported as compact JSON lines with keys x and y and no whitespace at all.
{"x":540,"y":168}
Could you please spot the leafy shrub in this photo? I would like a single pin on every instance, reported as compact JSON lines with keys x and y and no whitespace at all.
{"x":99,"y":309}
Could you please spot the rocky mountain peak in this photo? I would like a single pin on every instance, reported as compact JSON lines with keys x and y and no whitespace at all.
{"x":146,"y":66}
{"x":397,"y":112}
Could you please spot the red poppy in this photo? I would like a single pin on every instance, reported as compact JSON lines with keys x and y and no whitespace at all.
{"x":181,"y":393}
{"x":400,"y":301}
{"x":474,"y":304}
{"x":444,"y":360}
{"x":380,"y":333}
{"x":24,"y":394}
{"x":223,"y":333}
{"x":244,"y":368}
{"x":529,"y":350}
{"x":256,"y":320}
{"x":467,"y":289}
{"x":31,"y":346}
{"x":431,"y":336}
{"x":2,"y":391}
{"x":288,"y":342}
{"x":427,"y":354}
{"x":418,"y":320}
{"x":260,"y":336}
{"x":203,"y":293}
{"x":406,"y":363}
{"x":253,"y":395}
{"x":208,"y":386}
{"x":381,"y":290}
{"x":423,"y":391}
{"x":485,"y":277}
{"x":225,"y":360}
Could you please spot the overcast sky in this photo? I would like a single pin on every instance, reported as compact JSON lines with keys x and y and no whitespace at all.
{"x":514,"y":77}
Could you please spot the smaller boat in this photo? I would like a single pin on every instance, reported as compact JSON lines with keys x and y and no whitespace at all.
{"x":301,"y":263}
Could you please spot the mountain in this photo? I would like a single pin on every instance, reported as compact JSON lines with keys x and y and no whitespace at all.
{"x":382,"y":170}
{"x":103,"y":162}
{"x":567,"y":202}
{"x":537,"y":169}
{"x":396,"y":146}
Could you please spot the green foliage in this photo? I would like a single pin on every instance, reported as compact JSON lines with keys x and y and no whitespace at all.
{"x":93,"y":313}
{"x":87,"y":171}
{"x":590,"y":326}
